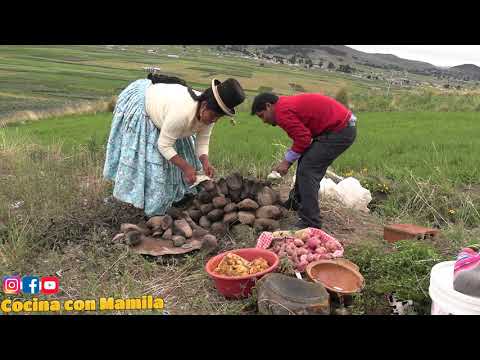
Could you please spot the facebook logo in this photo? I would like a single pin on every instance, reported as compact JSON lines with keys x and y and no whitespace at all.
{"x":30,"y":285}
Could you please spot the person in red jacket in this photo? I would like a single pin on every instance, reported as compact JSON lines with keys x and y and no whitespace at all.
{"x":321,"y":129}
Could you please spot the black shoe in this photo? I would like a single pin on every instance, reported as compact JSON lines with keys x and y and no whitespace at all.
{"x":291,"y":204}
{"x":301,"y":225}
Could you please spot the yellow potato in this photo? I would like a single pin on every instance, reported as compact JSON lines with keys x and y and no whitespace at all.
{"x":234,"y":265}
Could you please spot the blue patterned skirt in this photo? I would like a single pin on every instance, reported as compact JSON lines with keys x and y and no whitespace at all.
{"x":142,"y":176}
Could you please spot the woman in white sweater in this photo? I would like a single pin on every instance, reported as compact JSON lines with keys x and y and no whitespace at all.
{"x":160,"y":138}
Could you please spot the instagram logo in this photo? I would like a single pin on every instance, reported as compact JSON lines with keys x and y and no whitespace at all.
{"x":11,"y":284}
{"x":49,"y":285}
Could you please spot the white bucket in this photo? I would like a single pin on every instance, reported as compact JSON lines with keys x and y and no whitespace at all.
{"x":445,"y":300}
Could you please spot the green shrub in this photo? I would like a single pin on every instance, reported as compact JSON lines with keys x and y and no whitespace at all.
{"x":404,"y":269}
{"x":342,"y":97}
{"x":112,"y":103}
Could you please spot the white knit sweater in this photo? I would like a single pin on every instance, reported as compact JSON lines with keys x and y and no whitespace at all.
{"x":172,"y":110}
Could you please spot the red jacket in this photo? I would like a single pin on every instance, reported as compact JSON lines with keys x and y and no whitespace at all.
{"x":305,"y":116}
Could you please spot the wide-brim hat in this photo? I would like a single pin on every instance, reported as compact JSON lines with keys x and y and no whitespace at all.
{"x":228,"y":94}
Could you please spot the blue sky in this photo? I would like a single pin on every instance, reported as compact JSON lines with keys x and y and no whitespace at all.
{"x":439,"y":55}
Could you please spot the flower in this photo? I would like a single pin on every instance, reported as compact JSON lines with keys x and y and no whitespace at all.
{"x":451,"y":211}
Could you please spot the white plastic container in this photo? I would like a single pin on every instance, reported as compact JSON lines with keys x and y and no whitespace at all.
{"x":445,"y":300}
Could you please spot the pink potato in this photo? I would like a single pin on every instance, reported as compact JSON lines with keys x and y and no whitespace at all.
{"x":302,"y":266}
{"x":303,"y":258}
{"x":313,"y":242}
{"x":282,"y":253}
{"x":310,"y":258}
{"x":289,"y":250}
{"x":320,"y":250}
{"x":298,"y":242}
{"x":316,"y":257}
{"x":331,"y":245}
{"x":295,"y":258}
{"x":302,"y":251}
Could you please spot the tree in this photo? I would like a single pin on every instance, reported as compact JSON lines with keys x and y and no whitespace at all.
{"x":345,"y":69}
{"x":331,"y":65}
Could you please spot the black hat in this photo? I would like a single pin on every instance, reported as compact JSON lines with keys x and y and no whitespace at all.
{"x":228,"y":95}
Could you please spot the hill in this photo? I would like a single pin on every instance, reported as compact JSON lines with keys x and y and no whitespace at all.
{"x":469,"y":70}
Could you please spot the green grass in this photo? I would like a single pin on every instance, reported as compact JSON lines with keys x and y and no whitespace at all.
{"x":395,"y":145}
{"x":402,"y":268}
{"x":415,"y":164}
{"x":69,"y":131}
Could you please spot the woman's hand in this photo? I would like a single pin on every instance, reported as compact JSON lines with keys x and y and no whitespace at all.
{"x":207,"y":168}
{"x":190,"y":174}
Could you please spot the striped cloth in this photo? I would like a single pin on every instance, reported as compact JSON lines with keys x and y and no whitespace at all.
{"x":466,"y":273}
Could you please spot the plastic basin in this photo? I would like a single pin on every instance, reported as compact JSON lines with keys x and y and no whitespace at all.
{"x":240,"y":286}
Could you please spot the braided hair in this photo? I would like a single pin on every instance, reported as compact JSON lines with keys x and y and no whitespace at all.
{"x":206,"y":96}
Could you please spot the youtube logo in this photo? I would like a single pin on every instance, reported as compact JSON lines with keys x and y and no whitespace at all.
{"x":49,"y":285}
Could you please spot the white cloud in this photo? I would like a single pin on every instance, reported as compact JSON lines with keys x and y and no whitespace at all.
{"x":439,"y":55}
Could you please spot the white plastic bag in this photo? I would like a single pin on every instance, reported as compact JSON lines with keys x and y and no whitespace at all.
{"x":349,"y":192}
{"x":328,"y":188}
{"x":353,"y":194}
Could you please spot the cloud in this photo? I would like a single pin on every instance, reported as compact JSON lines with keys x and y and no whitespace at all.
{"x":439,"y":55}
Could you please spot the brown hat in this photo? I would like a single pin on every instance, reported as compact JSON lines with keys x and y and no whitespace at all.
{"x":228,"y":94}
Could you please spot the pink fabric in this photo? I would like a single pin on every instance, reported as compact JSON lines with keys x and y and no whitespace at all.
{"x":264,"y":240}
{"x":467,"y":259}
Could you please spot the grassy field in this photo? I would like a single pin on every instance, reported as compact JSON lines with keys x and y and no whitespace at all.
{"x":39,"y":79}
{"x":434,"y":145}
{"x":420,"y":165}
